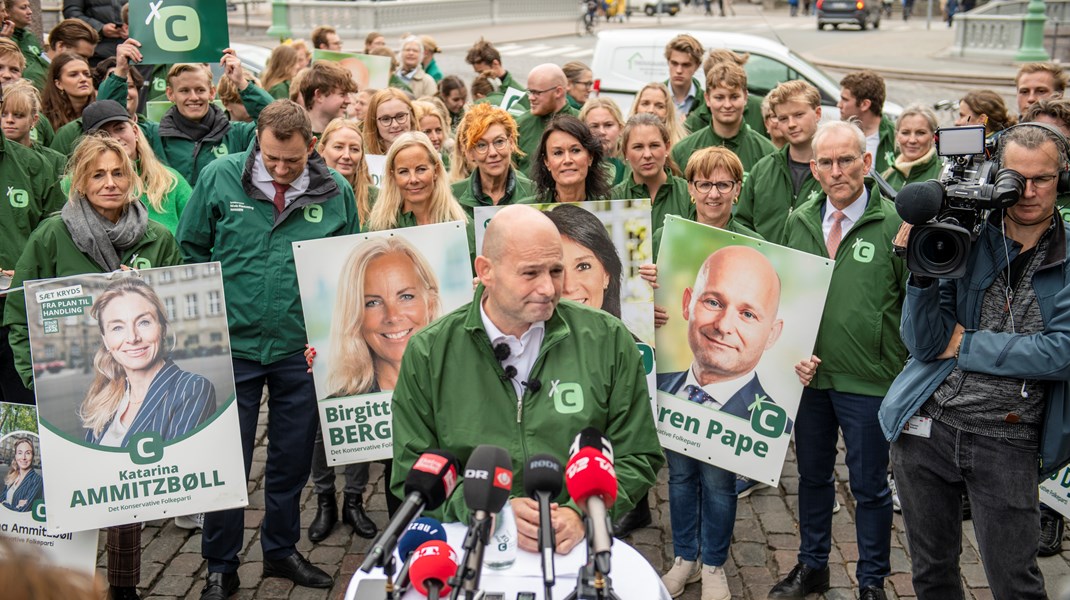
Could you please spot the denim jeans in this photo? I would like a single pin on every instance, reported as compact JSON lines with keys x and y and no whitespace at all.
{"x":821,"y":414}
{"x":1000,"y":476}
{"x":701,"y":497}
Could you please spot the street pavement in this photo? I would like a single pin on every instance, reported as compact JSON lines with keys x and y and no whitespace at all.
{"x":765,"y":539}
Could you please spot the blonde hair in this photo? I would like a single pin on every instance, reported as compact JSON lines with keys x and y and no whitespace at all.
{"x":795,"y":90}
{"x":650,"y":120}
{"x":109,"y":384}
{"x":228,"y":93}
{"x":460,"y":166}
{"x":156,"y":180}
{"x":13,"y":472}
{"x":376,"y":144}
{"x":86,"y":154}
{"x":610,"y":106}
{"x":25,"y":574}
{"x":361,"y":181}
{"x":180,"y":68}
{"x":442,"y":207}
{"x":20,"y":96}
{"x":280,"y":65}
{"x":707,"y":160}
{"x":352,"y":368}
{"x":677,"y":131}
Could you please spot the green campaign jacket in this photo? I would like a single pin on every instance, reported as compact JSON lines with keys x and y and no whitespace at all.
{"x":57,"y":161}
{"x":748,"y":145}
{"x":66,"y":139}
{"x":450,"y":394}
{"x":50,"y":252}
{"x":885,"y":146}
{"x":174,"y":201}
{"x":768,"y":197}
{"x":929,"y":169}
{"x":43,"y":133}
{"x":700,"y":116}
{"x":229,"y":220}
{"x":529,"y":130}
{"x":672,"y":199}
{"x":187,"y":156}
{"x":858,"y":340}
{"x":519,"y":190}
{"x":281,"y":90}
{"x":732,"y":225}
{"x":36,"y":65}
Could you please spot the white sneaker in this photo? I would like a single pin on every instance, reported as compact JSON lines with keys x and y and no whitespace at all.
{"x":190,"y":521}
{"x":715,"y":584}
{"x":835,"y":506}
{"x":682,"y":573}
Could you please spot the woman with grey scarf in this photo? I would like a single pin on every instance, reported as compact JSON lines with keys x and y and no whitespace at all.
{"x":102,"y":227}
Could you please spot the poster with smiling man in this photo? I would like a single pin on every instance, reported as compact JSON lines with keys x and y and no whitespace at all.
{"x":742,"y":314}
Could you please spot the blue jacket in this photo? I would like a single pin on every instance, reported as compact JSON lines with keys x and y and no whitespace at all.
{"x":930,"y":315}
{"x":31,"y":488}
{"x":176,"y":403}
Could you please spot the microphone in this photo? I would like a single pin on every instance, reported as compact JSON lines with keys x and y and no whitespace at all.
{"x":488,"y":480}
{"x":420,"y":531}
{"x":542,"y":482}
{"x":533,"y":385}
{"x":501,"y":351}
{"x":919,"y":202}
{"x":433,"y":564}
{"x":592,"y":483}
{"x":510,"y":372}
{"x":431,"y":480}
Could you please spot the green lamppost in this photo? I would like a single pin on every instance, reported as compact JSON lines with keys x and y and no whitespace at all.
{"x":280,"y":19}
{"x":1032,"y":48}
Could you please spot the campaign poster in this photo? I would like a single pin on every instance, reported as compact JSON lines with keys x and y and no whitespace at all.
{"x":742,"y":314}
{"x":180,"y":31}
{"x":368,"y":70}
{"x":376,"y":168}
{"x":1055,"y":491}
{"x":135,"y":394}
{"x":22,"y":500}
{"x":364,"y":296}
{"x":604,"y":244}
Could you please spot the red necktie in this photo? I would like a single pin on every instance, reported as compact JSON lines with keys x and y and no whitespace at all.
{"x":836,"y":233}
{"x":280,"y":196}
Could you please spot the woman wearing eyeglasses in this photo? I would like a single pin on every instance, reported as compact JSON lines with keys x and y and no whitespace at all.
{"x":487,"y":137}
{"x":389,"y":115}
{"x":580,"y":83}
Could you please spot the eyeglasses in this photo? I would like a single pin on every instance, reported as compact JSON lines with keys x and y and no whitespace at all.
{"x":401,"y":119}
{"x":825,"y":164}
{"x":705,"y":187}
{"x":500,"y":144}
{"x":1042,"y":182}
{"x":534,"y":93}
{"x":586,"y":84}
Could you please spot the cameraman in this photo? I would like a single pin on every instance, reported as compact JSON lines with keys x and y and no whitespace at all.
{"x":990,"y":352}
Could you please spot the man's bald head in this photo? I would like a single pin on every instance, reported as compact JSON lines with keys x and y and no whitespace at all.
{"x":546,"y":89}
{"x":521,"y":267}
{"x":732,"y":313}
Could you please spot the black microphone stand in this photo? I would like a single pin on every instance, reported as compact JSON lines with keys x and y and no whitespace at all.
{"x":475,"y":542}
{"x":593,"y":581}
{"x":388,"y":564}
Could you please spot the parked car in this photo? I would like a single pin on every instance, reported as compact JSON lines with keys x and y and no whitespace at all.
{"x":665,"y":7}
{"x":848,"y":12}
{"x":627,"y":59}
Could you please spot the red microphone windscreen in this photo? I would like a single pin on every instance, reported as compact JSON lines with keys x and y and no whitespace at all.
{"x":433,"y":561}
{"x":590,"y":473}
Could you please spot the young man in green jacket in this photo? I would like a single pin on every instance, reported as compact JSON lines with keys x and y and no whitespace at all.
{"x":572,"y":367}
{"x":547,"y":96}
{"x":485,"y":58}
{"x":862,"y":96}
{"x":194,"y":132}
{"x":726,"y":97}
{"x":246,"y":212}
{"x":683,"y":54}
{"x":782,"y":181}
{"x":858,"y":352}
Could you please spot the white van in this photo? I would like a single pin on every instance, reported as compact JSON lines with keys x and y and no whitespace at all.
{"x":627,"y":59}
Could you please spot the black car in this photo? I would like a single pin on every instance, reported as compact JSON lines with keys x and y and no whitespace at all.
{"x":851,"y":12}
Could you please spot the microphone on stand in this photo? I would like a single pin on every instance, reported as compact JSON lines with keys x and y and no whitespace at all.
{"x":420,"y":531}
{"x":543,"y":482}
{"x":433,"y":564}
{"x":488,"y":480}
{"x":592,"y":483}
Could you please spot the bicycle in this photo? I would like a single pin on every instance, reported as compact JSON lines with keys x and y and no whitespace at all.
{"x":588,"y":21}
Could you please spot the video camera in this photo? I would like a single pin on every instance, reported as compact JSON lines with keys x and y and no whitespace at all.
{"x":948,"y":213}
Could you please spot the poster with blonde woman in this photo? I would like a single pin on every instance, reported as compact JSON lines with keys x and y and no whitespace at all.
{"x":22,"y":503}
{"x":135,"y":394}
{"x":364,"y":297}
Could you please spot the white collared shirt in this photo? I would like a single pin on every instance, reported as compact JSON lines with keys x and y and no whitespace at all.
{"x":262,"y":181}
{"x":684,"y":107}
{"x":720,"y":391}
{"x":851,"y":214}
{"x":522,"y":351}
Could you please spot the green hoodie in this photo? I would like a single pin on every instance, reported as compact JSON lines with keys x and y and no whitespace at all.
{"x":672,"y":199}
{"x":748,"y":145}
{"x":529,"y":131}
{"x":187,"y":156}
{"x":451,"y":394}
{"x":858,"y":340}
{"x":768,"y":196}
{"x":928,"y":169}
{"x":229,"y":220}
{"x":50,"y":252}
{"x":172,"y":205}
{"x":700,"y":116}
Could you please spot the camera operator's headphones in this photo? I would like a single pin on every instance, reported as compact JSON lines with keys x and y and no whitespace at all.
{"x":1054,"y":135}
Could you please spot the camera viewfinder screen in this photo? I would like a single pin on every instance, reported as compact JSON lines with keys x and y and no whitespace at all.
{"x":958,"y":141}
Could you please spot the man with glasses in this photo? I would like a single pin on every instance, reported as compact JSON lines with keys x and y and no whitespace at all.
{"x":858,"y":353}
{"x":546,"y":92}
{"x":726,"y":97}
{"x":780,"y":182}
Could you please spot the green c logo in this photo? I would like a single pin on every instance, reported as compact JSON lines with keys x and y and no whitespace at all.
{"x":18,"y":198}
{"x":177,"y":29}
{"x":568,"y":397}
{"x":141,"y":263}
{"x":159,"y":84}
{"x":146,"y":448}
{"x":220,"y":151}
{"x":314,"y":213}
{"x":863,"y":251}
{"x":37,"y":510}
{"x":767,"y":418}
{"x":648,"y":357}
